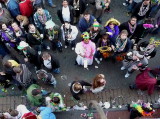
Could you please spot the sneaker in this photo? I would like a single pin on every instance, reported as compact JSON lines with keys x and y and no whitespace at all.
{"x":98,"y":62}
{"x":100,"y":59}
{"x":72,"y":48}
{"x":123,"y":68}
{"x":131,"y":86}
{"x":48,"y":48}
{"x":53,"y":6}
{"x":39,"y":52}
{"x":128,"y":14}
{"x":65,"y":46}
{"x":127,"y":75}
{"x":60,"y":49}
{"x":124,"y":4}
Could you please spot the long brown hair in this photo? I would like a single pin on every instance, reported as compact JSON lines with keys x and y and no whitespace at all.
{"x":97,"y":79}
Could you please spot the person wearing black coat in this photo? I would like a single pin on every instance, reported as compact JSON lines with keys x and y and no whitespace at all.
{"x":78,"y":87}
{"x":29,"y":53}
{"x":148,"y":49}
{"x":34,"y":38}
{"x":66,"y":12}
{"x":49,"y":62}
{"x":19,"y":33}
{"x":5,"y":80}
{"x":79,"y":7}
{"x":142,"y":10}
{"x":130,"y":26}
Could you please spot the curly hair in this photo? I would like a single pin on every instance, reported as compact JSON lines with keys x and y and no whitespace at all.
{"x":97,"y":80}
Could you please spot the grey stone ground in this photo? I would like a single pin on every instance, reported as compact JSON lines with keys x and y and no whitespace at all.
{"x":116,"y":86}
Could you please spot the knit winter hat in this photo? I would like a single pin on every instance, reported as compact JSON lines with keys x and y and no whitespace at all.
{"x":22,"y":45}
{"x":96,"y":24}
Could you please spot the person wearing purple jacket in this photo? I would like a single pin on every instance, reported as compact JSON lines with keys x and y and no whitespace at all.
{"x":112,"y":27}
{"x":8,"y":36}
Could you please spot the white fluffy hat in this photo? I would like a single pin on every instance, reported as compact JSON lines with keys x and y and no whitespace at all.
{"x":22,"y":45}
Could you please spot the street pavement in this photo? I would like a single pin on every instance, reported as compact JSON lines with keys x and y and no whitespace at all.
{"x":116,"y":91}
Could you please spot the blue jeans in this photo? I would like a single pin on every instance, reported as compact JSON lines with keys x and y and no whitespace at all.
{"x":50,"y":2}
{"x":154,"y":8}
{"x":57,"y":71}
{"x":98,"y":55}
{"x":131,"y":6}
{"x":156,"y":31}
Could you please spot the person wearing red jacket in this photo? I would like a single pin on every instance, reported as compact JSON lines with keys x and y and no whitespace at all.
{"x":26,"y":8}
{"x":147,"y":80}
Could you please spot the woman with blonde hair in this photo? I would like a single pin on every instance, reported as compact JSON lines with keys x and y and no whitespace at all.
{"x":99,"y":83}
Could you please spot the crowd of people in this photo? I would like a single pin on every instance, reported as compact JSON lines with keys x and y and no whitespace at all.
{"x":27,"y":28}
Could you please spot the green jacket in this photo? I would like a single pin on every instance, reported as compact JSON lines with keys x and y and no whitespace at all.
{"x":35,"y":100}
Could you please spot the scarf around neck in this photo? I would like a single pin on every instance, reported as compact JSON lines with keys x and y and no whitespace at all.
{"x":120,"y":45}
{"x":132,"y":28}
{"x":42,"y":18}
{"x":143,"y":10}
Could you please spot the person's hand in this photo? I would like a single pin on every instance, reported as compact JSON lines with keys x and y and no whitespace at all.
{"x":130,"y":1}
{"x":98,"y":49}
{"x":140,"y":64}
{"x":2,"y":73}
{"x":50,"y":37}
{"x":91,"y":55}
{"x":156,"y":25}
{"x":106,"y":4}
{"x":69,"y":36}
{"x":21,"y":24}
{"x":13,"y":41}
{"x":109,"y":33}
{"x":18,"y":34}
{"x":37,"y":109}
{"x":26,"y":59}
{"x":120,"y":50}
{"x":134,"y":57}
{"x":109,"y":49}
{"x":113,"y":48}
{"x":41,"y":35}
{"x":82,"y":55}
{"x":134,"y":67}
{"x":148,"y":57}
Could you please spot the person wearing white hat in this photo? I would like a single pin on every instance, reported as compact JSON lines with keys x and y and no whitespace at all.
{"x":30,"y":55}
{"x":54,"y":34}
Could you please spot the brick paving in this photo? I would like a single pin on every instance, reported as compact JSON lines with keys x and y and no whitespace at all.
{"x":116,"y":97}
{"x":123,"y":114}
